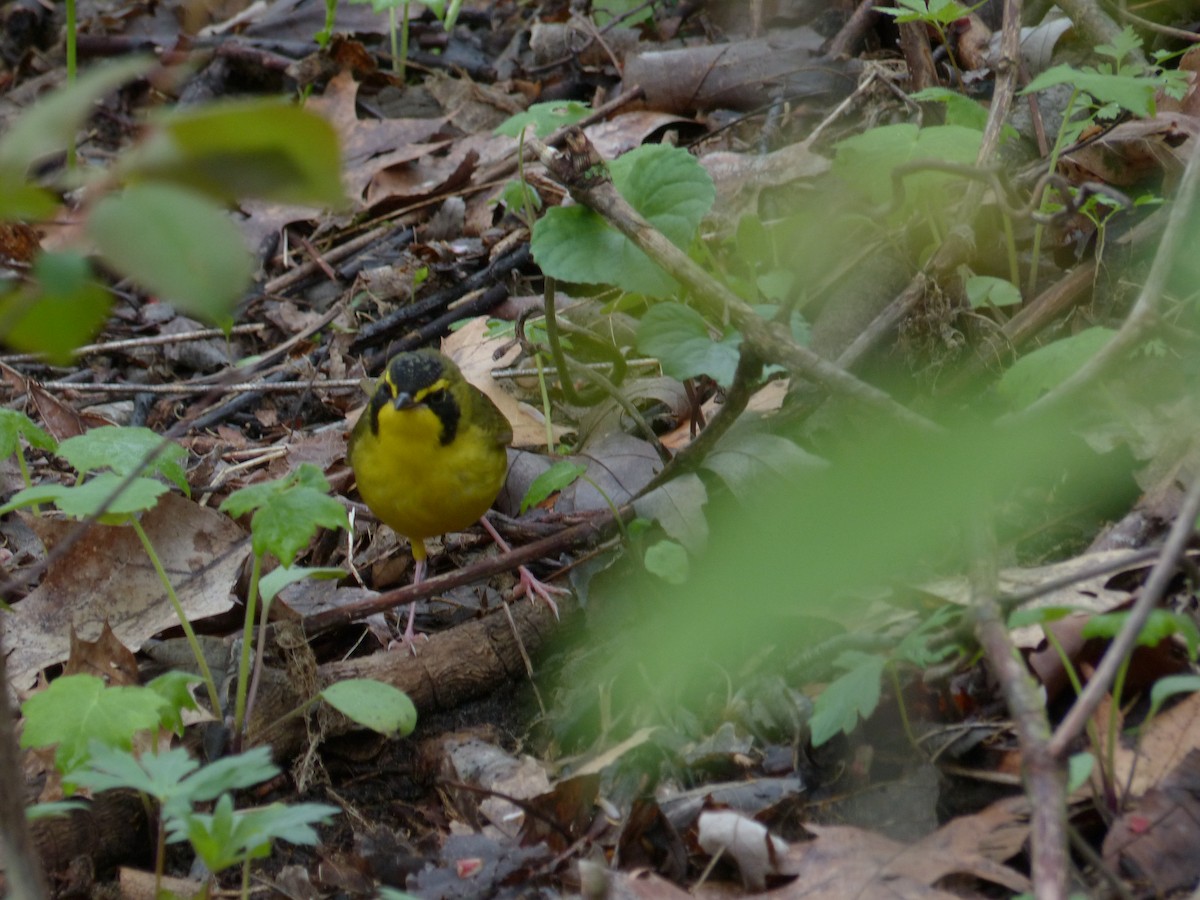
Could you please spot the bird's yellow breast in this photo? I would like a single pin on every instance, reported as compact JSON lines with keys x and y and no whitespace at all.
{"x":417,"y":485}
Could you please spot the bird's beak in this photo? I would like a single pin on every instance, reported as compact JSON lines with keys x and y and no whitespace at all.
{"x":404,"y":400}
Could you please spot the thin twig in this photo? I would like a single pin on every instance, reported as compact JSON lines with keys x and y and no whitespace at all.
{"x":1045,"y":781}
{"x":331,"y":385}
{"x":202,"y":334}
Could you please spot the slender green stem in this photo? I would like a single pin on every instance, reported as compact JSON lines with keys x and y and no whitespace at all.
{"x":1055,"y":152}
{"x":213,"y":697}
{"x":400,"y":60}
{"x":160,"y":853}
{"x":71,"y":29}
{"x":239,"y":709}
{"x":894,"y":677}
{"x":537,"y":358}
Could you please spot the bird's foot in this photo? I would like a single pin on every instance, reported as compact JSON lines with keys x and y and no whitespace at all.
{"x":409,"y":638}
{"x":407,"y":641}
{"x":534,"y":588}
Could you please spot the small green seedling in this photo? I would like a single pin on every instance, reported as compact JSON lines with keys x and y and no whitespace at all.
{"x":286,"y":515}
{"x":127,"y":466}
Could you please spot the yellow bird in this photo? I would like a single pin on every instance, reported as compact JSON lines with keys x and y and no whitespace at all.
{"x":429,"y":456}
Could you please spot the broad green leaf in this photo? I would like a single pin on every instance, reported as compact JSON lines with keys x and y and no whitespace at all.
{"x":679,"y":338}
{"x":276,"y":580}
{"x":60,"y":309}
{"x":287,"y":512}
{"x":554,"y":479}
{"x":668,"y":560}
{"x":543,"y":118}
{"x":15,"y":425}
{"x":77,"y":709}
{"x":176,"y":244}
{"x":50,"y":124}
{"x":236,"y":149}
{"x":373,"y":704}
{"x":985,"y":290}
{"x":83,"y":500}
{"x":1131,"y":93}
{"x":666,"y":185}
{"x":123,"y":449}
{"x":1036,"y":373}
{"x":865,"y":161}
{"x":848,"y":697}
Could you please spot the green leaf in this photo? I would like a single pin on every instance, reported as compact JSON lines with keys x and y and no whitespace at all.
{"x":848,"y":697}
{"x":122,"y":449}
{"x":176,"y":244}
{"x":287,"y":511}
{"x":666,"y":185}
{"x":669,"y":561}
{"x":15,"y":425}
{"x":173,"y":688}
{"x":1124,"y":43}
{"x":1167,"y":687}
{"x":679,"y":338}
{"x":554,"y":479}
{"x":276,"y":580}
{"x":960,"y":110}
{"x":543,"y":118}
{"x":1161,"y":625}
{"x":50,"y":124}
{"x":984,"y":290}
{"x":27,"y":202}
{"x":53,"y":809}
{"x":865,"y":161}
{"x":1130,"y":93}
{"x":77,"y":709}
{"x":1079,"y":770}
{"x":1036,"y":373}
{"x":60,"y":309}
{"x":158,"y":775}
{"x":235,"y":149}
{"x":231,"y":773}
{"x":373,"y":704}
{"x":227,"y":838}
{"x":83,"y":500}
{"x":940,"y":12}
{"x":1039,"y":615}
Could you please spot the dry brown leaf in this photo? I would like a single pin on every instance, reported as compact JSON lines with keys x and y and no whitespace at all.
{"x":370,"y":145}
{"x":475,"y":354}
{"x":1165,"y":742}
{"x":106,"y":575}
{"x":1155,"y":840}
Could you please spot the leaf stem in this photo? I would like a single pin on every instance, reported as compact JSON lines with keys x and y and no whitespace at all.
{"x":188,"y":631}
